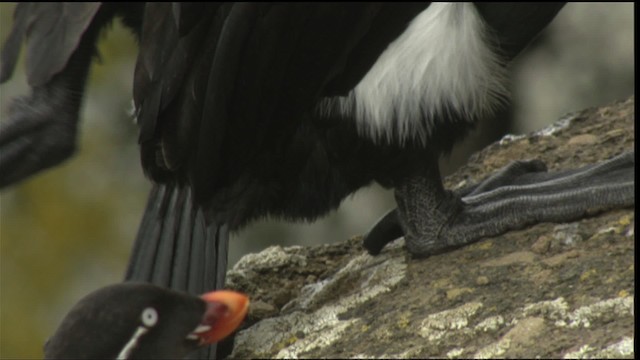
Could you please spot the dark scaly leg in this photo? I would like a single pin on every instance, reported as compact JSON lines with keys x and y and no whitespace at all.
{"x":434,"y":220}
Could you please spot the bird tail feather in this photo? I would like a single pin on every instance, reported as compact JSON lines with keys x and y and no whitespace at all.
{"x":177,"y":248}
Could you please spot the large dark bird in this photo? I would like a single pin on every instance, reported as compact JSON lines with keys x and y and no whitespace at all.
{"x":252,"y":110}
{"x":142,"y":321}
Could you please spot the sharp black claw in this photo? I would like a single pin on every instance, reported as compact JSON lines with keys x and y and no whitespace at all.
{"x":383,"y":232}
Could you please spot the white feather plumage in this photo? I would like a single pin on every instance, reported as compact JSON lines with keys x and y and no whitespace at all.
{"x":441,"y":68}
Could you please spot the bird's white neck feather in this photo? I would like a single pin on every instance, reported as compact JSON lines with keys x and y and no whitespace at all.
{"x":441,"y":68}
{"x":132,"y":343}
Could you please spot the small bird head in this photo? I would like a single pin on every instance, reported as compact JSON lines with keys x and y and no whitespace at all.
{"x":137,"y":320}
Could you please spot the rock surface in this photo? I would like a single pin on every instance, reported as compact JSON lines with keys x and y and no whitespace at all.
{"x":551,"y":290}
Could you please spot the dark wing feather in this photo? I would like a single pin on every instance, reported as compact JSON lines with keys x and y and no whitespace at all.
{"x":54,"y":28}
{"x":271,"y":66}
{"x":168,"y":82}
{"x":11,"y":47}
{"x":260,"y":67}
{"x":187,"y":15}
{"x":388,"y":24}
{"x":176,"y":248}
{"x":204,"y":170}
{"x":516,"y":24}
{"x":53,"y":31}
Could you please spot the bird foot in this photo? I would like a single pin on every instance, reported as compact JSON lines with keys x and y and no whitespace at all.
{"x":434,"y":220}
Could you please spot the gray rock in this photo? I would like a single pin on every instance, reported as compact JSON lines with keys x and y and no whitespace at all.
{"x":551,"y":290}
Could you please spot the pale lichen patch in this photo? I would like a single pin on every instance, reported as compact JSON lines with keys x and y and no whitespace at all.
{"x":439,"y":325}
{"x":550,"y":309}
{"x":493,"y":350}
{"x":317,"y":339}
{"x":586,"y":315}
{"x":623,"y":348}
{"x":372,"y":276}
{"x":490,"y":324}
{"x":558,"y":310}
{"x":454,"y":353}
{"x":521,"y":335}
{"x":567,"y":234}
{"x":559,"y":125}
{"x":271,"y":258}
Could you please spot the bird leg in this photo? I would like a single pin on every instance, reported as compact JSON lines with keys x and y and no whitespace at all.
{"x":40,"y":129}
{"x":434,"y":219}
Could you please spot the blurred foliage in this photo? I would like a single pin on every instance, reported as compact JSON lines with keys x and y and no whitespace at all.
{"x":68,"y":230}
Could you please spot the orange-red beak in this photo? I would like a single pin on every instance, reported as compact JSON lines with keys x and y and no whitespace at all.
{"x":225,"y":311}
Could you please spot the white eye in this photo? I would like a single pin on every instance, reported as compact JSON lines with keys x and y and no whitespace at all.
{"x":149,"y":317}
